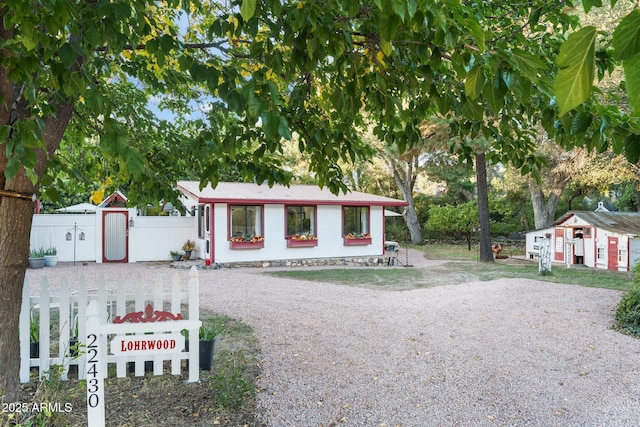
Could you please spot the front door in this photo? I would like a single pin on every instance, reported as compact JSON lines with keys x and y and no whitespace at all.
{"x":613,"y":253}
{"x":115,"y":236}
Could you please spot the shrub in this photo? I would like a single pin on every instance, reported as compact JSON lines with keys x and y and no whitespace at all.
{"x":628,"y":311}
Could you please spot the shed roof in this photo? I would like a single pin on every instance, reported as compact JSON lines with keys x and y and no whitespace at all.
{"x":240,"y":192}
{"x":619,"y":222}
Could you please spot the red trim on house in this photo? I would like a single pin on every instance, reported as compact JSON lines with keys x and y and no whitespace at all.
{"x":299,"y":202}
{"x":212,"y":238}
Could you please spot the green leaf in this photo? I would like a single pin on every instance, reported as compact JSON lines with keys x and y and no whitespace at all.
{"x":529,"y":64}
{"x":632,"y":148}
{"x":5,"y":131}
{"x":577,"y":64}
{"x":473,"y":83}
{"x":248,"y":9}
{"x":632,"y":77}
{"x":626,"y":37}
{"x":283,"y":128}
{"x":581,"y":123}
{"x":477,"y":32}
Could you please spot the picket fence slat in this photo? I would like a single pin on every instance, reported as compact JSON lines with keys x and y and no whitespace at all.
{"x":71,"y":310}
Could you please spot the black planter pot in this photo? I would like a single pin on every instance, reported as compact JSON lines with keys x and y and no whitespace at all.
{"x":206,"y":354}
{"x":34,"y":350}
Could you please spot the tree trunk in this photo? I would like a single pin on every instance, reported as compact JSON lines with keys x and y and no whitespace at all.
{"x":543,"y":213}
{"x":16,"y":216}
{"x":405,"y":185}
{"x":411,"y":218}
{"x":15,"y":228}
{"x":486,"y":255}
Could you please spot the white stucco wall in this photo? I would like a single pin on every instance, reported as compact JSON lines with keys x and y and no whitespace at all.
{"x":329,"y":232}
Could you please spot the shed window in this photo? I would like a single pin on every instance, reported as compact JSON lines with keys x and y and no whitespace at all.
{"x":245,"y":221}
{"x":600,"y":254}
{"x":301,"y":220}
{"x":622,"y":256}
{"x":356,"y":220}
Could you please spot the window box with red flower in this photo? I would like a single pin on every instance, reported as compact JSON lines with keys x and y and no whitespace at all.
{"x":302,"y":241}
{"x":246,"y":242}
{"x":352,"y":239}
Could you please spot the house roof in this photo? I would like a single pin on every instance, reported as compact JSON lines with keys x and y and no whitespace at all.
{"x":246,"y":193}
{"x":619,"y":222}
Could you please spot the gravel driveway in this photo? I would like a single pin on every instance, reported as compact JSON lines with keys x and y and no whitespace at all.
{"x":506,"y":352}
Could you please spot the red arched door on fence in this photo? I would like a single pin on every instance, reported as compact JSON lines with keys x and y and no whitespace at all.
{"x":115,"y":236}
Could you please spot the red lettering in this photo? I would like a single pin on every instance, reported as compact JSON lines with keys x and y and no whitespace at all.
{"x":136,"y":345}
{"x":122,"y":347}
{"x":144,"y":345}
{"x":152,"y":345}
{"x":173,"y":344}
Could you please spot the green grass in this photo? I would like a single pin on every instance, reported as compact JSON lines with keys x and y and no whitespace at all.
{"x":457,"y":272}
{"x":355,"y":276}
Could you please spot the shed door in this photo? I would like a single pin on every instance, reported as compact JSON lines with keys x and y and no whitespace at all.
{"x":115,"y":236}
{"x":613,"y":253}
{"x":558,"y":244}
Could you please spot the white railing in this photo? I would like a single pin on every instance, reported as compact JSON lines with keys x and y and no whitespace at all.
{"x":70,"y":323}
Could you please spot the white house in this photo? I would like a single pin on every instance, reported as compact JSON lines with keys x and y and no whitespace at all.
{"x":245,"y":222}
{"x":600,"y":239}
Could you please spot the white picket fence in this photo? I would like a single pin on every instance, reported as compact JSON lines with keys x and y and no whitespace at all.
{"x":71,"y":308}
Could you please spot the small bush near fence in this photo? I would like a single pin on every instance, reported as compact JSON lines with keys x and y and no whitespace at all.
{"x":628,"y":311}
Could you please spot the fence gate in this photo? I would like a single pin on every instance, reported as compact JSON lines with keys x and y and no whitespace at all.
{"x":115,"y":236}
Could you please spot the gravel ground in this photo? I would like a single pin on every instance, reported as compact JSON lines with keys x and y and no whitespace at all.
{"x":505,"y":352}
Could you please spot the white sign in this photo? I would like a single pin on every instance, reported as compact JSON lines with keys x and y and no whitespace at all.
{"x":95,"y":382}
{"x":140,"y":345}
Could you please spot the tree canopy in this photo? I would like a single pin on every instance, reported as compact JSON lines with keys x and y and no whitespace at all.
{"x":240,"y":76}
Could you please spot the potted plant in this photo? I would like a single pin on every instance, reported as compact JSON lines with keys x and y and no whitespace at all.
{"x":36,"y":258}
{"x":34,"y":337}
{"x":175,"y":255}
{"x":51,"y":257}
{"x":188,"y":246}
{"x":208,"y":334}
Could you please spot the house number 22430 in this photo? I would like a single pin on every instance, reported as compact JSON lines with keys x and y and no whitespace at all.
{"x":93,"y":375}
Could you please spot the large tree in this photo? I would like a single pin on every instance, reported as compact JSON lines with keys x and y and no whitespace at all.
{"x":265,"y":70}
